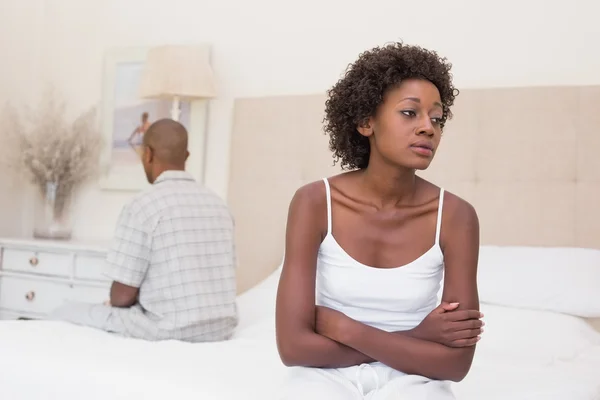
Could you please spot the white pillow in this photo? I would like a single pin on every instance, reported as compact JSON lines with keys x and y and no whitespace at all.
{"x":541,"y":337}
{"x":559,"y":279}
{"x":258,"y":303}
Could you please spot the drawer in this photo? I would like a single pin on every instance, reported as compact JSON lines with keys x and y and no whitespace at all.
{"x":39,"y":262}
{"x":32,"y":296}
{"x":12,"y":315}
{"x":90,"y":267}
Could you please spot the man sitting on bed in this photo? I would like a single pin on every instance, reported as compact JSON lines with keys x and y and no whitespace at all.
{"x":173,"y":258}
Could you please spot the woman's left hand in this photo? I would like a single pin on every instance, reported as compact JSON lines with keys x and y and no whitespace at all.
{"x":332,"y":324}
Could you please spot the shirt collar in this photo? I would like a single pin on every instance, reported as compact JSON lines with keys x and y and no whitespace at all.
{"x":172,"y":175}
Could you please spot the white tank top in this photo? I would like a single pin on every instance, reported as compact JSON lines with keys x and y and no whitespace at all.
{"x":391,"y":299}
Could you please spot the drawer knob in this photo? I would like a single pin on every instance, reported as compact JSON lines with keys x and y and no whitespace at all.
{"x":30,"y":295}
{"x":34,"y":261}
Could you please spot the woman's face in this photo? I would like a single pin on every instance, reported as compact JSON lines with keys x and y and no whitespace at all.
{"x":405,"y":131}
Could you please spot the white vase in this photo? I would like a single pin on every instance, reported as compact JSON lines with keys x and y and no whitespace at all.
{"x":52,"y":214}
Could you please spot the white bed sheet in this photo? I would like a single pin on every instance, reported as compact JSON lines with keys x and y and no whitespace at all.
{"x":54,"y":360}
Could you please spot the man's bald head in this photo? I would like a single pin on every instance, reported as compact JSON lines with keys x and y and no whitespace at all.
{"x":168,"y":140}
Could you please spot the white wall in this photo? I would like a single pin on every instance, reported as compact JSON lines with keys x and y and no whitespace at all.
{"x":268,"y":47}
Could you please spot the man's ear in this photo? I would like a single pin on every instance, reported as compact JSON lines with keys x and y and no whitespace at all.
{"x":148,"y":154}
{"x":365,"y":127}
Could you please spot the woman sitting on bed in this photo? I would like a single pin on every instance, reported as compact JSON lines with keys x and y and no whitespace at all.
{"x":370,"y":246}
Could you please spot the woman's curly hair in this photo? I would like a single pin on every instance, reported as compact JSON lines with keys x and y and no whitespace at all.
{"x":358,"y":94}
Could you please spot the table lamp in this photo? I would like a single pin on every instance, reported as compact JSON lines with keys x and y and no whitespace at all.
{"x":177,"y":72}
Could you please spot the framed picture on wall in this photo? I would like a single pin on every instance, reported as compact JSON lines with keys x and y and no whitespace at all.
{"x":126,"y":116}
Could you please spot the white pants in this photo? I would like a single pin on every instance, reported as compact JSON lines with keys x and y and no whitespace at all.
{"x":97,"y":316}
{"x":374,"y":381}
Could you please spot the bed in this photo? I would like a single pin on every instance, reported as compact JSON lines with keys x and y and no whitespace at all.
{"x":558,"y":358}
{"x":539,"y":270}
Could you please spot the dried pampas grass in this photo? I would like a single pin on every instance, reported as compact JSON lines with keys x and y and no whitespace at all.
{"x":50,"y":152}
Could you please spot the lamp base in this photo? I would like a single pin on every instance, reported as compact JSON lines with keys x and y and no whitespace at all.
{"x":175,"y":109}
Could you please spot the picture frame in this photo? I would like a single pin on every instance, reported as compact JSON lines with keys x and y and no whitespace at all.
{"x":125,"y":116}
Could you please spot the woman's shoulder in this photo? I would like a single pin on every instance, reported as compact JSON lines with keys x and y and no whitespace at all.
{"x":457,"y":212}
{"x":312,"y":192}
{"x":453,"y":203}
{"x":315,"y":192}
{"x":308,"y":208}
{"x":308,"y":200}
{"x":456,"y":208}
{"x":458,"y":216}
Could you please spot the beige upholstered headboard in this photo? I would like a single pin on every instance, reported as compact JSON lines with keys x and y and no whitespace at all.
{"x":526,"y":158}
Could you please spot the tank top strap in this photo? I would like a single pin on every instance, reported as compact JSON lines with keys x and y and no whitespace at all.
{"x":328,"y":193}
{"x":439,"y":217}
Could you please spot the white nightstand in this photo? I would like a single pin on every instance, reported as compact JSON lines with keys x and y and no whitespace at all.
{"x":37,"y":276}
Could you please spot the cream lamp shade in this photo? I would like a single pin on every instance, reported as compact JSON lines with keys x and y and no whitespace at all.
{"x":177,"y":72}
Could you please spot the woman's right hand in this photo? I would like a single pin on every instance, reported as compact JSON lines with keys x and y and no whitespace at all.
{"x":450,"y":327}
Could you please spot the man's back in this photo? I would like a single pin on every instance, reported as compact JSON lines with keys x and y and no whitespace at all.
{"x":175,"y":242}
